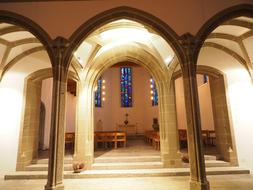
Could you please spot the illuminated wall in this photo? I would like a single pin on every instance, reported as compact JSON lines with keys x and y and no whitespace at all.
{"x":142,"y":112}
{"x":11,"y":102}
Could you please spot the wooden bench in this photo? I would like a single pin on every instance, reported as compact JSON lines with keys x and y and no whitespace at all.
{"x":110,"y":137}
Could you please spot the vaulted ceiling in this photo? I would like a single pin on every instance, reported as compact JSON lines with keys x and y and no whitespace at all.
{"x":121,"y":35}
{"x":16,"y":43}
{"x":233,"y":38}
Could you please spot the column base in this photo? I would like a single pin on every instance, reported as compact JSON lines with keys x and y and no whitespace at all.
{"x":172,"y":160}
{"x":87,"y":160}
{"x":196,"y":185}
{"x":55,"y":187}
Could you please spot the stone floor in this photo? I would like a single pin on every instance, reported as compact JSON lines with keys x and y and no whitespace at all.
{"x":217,"y":182}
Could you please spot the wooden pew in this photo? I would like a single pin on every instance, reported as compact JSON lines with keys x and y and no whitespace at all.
{"x":109,"y":137}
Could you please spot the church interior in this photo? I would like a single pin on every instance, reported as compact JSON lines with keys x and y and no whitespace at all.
{"x":126,"y":94}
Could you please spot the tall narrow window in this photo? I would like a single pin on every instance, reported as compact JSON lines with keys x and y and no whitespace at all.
{"x":100,"y":92}
{"x":205,"y":77}
{"x":153,"y":91}
{"x":126,"y":86}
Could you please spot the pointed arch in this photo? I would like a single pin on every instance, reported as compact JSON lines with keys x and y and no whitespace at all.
{"x":218,"y":19}
{"x":124,"y":12}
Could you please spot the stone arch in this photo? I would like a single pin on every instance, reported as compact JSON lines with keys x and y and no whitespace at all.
{"x":221,"y":111}
{"x":124,"y":12}
{"x":172,"y":158}
{"x":216,"y":20}
{"x":31,"y":26}
{"x":30,"y":121}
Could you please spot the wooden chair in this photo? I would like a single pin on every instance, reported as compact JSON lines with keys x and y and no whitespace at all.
{"x":99,"y":138}
{"x":212,"y":138}
{"x":205,"y":137}
{"x":182,"y":135}
{"x":70,"y":139}
{"x":120,"y":137}
{"x":156,"y":141}
{"x":109,"y":138}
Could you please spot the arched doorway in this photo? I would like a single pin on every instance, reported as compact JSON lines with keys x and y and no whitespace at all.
{"x":94,"y":54}
{"x":224,"y":44}
{"x":23,"y":43}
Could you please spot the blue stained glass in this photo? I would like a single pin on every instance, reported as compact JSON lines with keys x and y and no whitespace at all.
{"x":155,"y":93}
{"x":205,"y":78}
{"x":98,"y":98}
{"x":126,"y":86}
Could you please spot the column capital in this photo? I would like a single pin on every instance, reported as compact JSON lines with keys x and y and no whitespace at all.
{"x":189,"y":44}
{"x":59,"y":44}
{"x":60,"y":65}
{"x":187,"y":41}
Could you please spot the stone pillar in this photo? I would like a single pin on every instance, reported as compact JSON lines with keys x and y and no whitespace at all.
{"x":198,"y":179}
{"x":223,"y":132}
{"x":170,"y":153}
{"x":84,"y":148}
{"x":57,"y":131}
{"x":28,"y":146}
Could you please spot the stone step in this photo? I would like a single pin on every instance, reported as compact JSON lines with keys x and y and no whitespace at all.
{"x":212,"y":163}
{"x":105,"y":159}
{"x":67,"y":160}
{"x":216,"y":163}
{"x":126,"y":165}
{"x":113,"y":159}
{"x":125,"y":173}
{"x":44,"y":167}
{"x":211,"y":157}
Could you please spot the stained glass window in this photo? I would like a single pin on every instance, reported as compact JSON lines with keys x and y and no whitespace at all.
{"x":153,"y":91}
{"x":126,"y":86}
{"x":205,"y":78}
{"x":98,"y":93}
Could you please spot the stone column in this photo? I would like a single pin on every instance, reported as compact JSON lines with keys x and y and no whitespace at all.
{"x":223,"y":132}
{"x":170,"y":153}
{"x":198,"y":179}
{"x":84,"y":148}
{"x":57,"y":131}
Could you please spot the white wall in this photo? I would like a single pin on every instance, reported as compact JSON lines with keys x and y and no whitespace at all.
{"x":46,"y":98}
{"x":240,"y":93}
{"x":142,"y":112}
{"x":205,"y":104}
{"x":71,"y":113}
{"x":11,"y":103}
